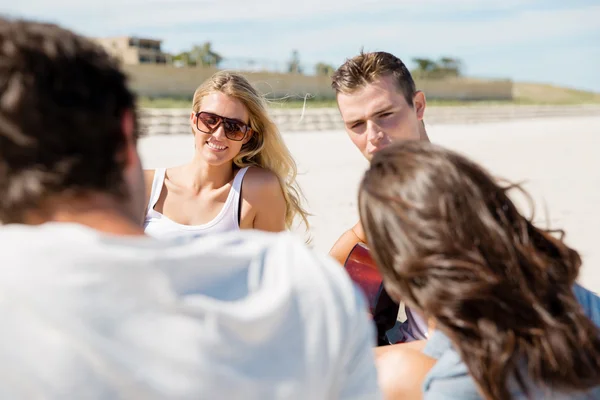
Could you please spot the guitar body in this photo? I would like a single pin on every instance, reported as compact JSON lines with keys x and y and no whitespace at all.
{"x":363,"y":271}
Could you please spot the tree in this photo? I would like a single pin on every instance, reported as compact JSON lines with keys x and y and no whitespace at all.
{"x":184,"y":59}
{"x":205,"y":56}
{"x":443,"y":68}
{"x":200,"y":55}
{"x":425,"y":65}
{"x":294,"y":64}
{"x":450,"y":66}
{"x":323,"y":69}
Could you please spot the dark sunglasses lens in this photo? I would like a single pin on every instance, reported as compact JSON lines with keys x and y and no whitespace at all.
{"x":234,"y":130}
{"x":207,"y":122}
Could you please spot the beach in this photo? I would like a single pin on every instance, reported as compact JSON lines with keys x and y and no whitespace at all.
{"x":555,"y":159}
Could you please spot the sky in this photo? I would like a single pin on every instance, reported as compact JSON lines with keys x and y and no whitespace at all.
{"x":545,"y":41}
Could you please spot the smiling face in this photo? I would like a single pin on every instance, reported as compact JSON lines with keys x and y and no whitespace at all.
{"x":216,"y":148}
{"x":377,"y":114}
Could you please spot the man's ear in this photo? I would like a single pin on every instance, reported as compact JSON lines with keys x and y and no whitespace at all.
{"x":128,"y":127}
{"x":419,"y":103}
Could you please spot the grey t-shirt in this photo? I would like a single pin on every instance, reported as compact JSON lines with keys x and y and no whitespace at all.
{"x":450,"y":379}
{"x":238,"y":315}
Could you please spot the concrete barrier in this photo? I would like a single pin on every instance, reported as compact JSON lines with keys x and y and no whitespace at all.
{"x":169,"y":81}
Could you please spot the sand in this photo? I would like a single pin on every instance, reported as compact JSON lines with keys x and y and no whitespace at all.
{"x":555,"y":157}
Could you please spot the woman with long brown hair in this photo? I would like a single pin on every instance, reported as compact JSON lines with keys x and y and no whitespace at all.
{"x":510,"y":320}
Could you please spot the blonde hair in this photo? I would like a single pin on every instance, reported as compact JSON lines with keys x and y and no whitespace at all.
{"x":266,"y":148}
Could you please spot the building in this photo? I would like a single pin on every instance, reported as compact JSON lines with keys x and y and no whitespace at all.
{"x":133,"y":50}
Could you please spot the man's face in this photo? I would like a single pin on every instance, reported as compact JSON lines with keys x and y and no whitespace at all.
{"x":378,"y":114}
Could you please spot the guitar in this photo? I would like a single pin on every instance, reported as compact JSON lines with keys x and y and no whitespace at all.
{"x":362,"y":270}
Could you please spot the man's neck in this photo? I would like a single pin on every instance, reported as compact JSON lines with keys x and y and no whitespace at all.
{"x":100,"y":212}
{"x":423,"y":132}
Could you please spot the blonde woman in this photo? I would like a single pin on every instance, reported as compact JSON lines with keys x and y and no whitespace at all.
{"x":242,"y":175}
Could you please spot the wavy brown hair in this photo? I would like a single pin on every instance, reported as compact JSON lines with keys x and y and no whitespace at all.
{"x":451,"y":244}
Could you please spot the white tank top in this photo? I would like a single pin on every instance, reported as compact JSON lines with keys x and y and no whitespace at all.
{"x":159,"y":226}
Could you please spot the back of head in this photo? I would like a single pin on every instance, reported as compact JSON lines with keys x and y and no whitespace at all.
{"x":61,"y":104}
{"x":366,"y":68}
{"x":450,"y":242}
{"x":266,"y":147}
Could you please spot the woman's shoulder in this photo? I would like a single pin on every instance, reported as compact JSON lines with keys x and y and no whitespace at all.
{"x":261,"y":176}
{"x":449,"y":378}
{"x":259,"y":182}
{"x":262,"y":191}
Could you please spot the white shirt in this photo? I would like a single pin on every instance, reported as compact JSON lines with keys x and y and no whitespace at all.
{"x":242,"y":315}
{"x":159,"y":225}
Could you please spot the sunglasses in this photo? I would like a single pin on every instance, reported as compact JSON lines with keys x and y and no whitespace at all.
{"x":234,"y":130}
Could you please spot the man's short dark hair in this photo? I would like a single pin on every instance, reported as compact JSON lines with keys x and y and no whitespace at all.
{"x":366,"y":68}
{"x":62,"y":99}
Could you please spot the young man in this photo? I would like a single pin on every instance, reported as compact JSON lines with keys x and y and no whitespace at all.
{"x":379,"y":104}
{"x":93,"y":308}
